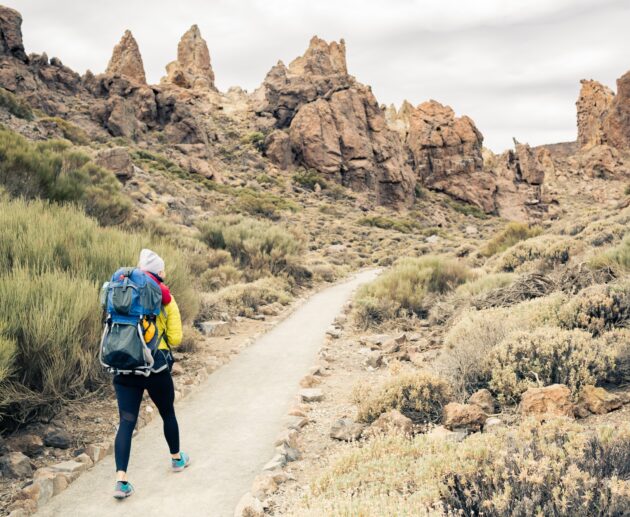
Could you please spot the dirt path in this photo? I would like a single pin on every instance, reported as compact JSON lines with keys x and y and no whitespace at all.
{"x":228,"y":426}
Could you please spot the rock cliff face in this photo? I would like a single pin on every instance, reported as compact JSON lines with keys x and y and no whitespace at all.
{"x":192,"y":69}
{"x":126,"y":60}
{"x":592,"y":107}
{"x":11,"y":34}
{"x":603,"y":117}
{"x":445,"y":152}
{"x":617,"y":123}
{"x":335,"y":125}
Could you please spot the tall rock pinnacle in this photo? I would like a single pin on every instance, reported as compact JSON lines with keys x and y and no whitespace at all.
{"x":126,"y":60}
{"x":11,"y":34}
{"x":192,"y":68}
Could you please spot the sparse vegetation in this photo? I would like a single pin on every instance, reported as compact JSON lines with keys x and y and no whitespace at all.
{"x":403,"y":289}
{"x":552,"y":469}
{"x":308,"y":179}
{"x":419,"y":396}
{"x":514,"y":232}
{"x":54,"y":170}
{"x":53,"y":260}
{"x":15,"y":105}
{"x":543,"y":253}
{"x":257,"y":246}
{"x":547,"y":355}
{"x":69,"y":130}
{"x":388,"y":223}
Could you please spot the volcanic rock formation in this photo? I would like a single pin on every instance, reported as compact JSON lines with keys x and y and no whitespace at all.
{"x":192,"y":69}
{"x":445,"y":152}
{"x":11,"y":34}
{"x":617,"y":123}
{"x":335,"y":125}
{"x":592,"y":107}
{"x":126,"y":60}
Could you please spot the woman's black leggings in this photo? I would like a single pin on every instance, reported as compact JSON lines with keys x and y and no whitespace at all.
{"x":129,"y":391}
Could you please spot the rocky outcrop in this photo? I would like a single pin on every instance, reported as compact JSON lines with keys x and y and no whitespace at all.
{"x":335,"y":125}
{"x":445,"y":152}
{"x":192,"y":69}
{"x":617,"y":123}
{"x":126,"y":60}
{"x":519,"y":176}
{"x":319,"y":73}
{"x":11,"y":34}
{"x":592,"y":107}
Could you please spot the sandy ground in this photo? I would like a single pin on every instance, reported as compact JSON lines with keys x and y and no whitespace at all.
{"x":228,"y":426}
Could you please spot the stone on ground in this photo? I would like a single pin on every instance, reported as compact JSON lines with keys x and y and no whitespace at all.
{"x":392,"y":421}
{"x":598,"y":400}
{"x":463,"y":416}
{"x":554,"y":400}
{"x":346,"y":430}
{"x":484,"y":399}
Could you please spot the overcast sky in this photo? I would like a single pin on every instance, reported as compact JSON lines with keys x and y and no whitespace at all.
{"x":512,"y":65}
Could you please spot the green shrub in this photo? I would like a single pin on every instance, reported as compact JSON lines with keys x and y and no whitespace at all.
{"x":514,"y":232}
{"x":485,"y":283}
{"x":545,"y":356}
{"x":255,"y":245}
{"x":15,"y":105}
{"x":598,"y":308}
{"x":69,"y":130}
{"x":466,"y":208}
{"x":53,"y":260}
{"x":245,"y":299}
{"x":617,"y":257}
{"x":255,"y":138}
{"x":262,"y":204}
{"x":545,"y":252}
{"x":55,"y":319}
{"x":159,"y":162}
{"x":419,"y":396}
{"x":53,"y":170}
{"x":220,"y":277}
{"x":541,"y":470}
{"x":403,"y":289}
{"x":307,"y":179}
{"x":465,"y":358}
{"x":387,"y":223}
{"x":531,"y":470}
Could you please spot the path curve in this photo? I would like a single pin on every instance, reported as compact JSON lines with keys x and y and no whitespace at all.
{"x":228,"y":425}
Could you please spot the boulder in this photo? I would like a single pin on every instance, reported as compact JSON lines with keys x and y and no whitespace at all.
{"x":392,"y":422}
{"x":463,"y":416}
{"x":554,"y":400}
{"x":598,"y":400}
{"x":59,"y":438}
{"x":126,"y":60}
{"x":600,"y":161}
{"x":484,"y":399}
{"x":15,"y":465}
{"x":346,"y":430}
{"x":11,"y":44}
{"x":118,"y":161}
{"x":278,"y":149}
{"x":40,"y":491}
{"x":249,"y":506}
{"x":29,"y":444}
{"x":192,"y":69}
{"x":311,"y":395}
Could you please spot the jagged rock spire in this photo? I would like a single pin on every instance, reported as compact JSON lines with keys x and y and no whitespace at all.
{"x":126,"y":60}
{"x":193,"y":68}
{"x":592,"y":108}
{"x":11,"y":34}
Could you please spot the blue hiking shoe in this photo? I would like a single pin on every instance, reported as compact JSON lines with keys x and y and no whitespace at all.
{"x":181,"y":463}
{"x":123,"y":490}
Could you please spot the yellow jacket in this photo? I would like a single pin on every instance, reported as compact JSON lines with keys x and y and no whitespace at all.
{"x":169,"y":324}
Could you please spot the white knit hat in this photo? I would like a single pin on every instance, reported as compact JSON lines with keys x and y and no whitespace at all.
{"x":150,"y":261}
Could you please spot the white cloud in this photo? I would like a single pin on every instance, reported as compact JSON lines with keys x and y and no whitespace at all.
{"x":513,"y":66}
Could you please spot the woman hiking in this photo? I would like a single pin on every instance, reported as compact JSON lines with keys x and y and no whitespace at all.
{"x":159,"y":384}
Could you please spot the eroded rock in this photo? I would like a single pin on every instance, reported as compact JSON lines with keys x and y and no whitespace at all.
{"x":192,"y":69}
{"x":11,"y":43}
{"x":347,"y":430}
{"x":599,"y":401}
{"x":126,"y":60}
{"x":484,"y":399}
{"x":592,"y":107}
{"x":391,"y":422}
{"x":463,"y":416}
{"x":554,"y":400}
